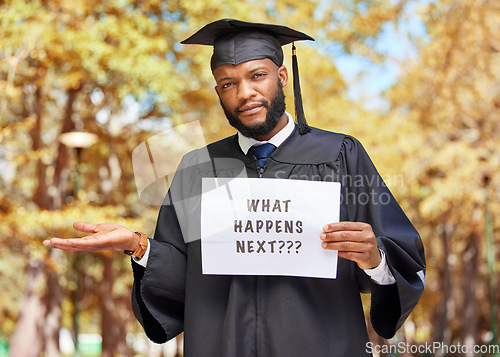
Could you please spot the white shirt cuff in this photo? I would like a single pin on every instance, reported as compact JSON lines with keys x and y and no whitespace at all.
{"x":144,"y":260}
{"x":381,"y":274}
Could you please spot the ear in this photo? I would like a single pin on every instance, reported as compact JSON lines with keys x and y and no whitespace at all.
{"x":217,"y":91}
{"x":283,"y":75}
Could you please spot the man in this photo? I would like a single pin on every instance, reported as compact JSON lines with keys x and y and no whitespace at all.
{"x":380,"y":251}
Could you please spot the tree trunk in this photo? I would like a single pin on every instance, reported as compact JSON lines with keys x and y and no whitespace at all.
{"x":441,"y":331}
{"x":123,"y":303}
{"x":53,"y":301}
{"x":63,"y":153}
{"x":40,"y":196}
{"x":109,"y":324}
{"x":27,"y":340}
{"x":470,"y":276}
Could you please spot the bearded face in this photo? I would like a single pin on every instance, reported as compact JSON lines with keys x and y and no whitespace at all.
{"x":275,"y":109}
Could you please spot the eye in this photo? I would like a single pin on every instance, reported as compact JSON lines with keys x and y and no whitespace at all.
{"x":227,"y":85}
{"x":258,"y":75}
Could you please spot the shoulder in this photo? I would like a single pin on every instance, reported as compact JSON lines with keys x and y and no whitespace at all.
{"x":315,"y":147}
{"x":323,"y":137}
{"x":352,"y":147}
{"x":341,"y":144}
{"x":222,"y":148}
{"x":224,"y":154}
{"x":228,"y":141}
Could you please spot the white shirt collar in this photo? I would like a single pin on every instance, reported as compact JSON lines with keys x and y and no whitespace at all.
{"x":276,"y":140}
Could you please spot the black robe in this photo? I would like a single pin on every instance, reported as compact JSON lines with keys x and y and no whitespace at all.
{"x":239,"y":316}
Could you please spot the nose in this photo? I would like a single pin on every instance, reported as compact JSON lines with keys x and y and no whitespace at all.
{"x":245,"y":91}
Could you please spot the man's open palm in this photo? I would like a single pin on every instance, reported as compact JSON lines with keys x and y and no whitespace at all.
{"x":104,"y":236}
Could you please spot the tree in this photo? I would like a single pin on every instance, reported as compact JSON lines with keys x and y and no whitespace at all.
{"x":446,"y":114}
{"x":89,"y":65}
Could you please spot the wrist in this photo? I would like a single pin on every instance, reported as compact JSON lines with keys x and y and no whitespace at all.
{"x":141,"y":244}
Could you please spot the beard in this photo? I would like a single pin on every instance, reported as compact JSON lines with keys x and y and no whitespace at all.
{"x":275,"y":111}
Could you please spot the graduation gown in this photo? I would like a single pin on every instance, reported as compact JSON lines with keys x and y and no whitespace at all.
{"x":277,"y":315}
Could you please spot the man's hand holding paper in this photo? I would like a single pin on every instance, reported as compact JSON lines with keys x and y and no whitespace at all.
{"x":354,"y":241}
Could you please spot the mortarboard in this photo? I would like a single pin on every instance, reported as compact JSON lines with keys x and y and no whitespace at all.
{"x":237,"y":41}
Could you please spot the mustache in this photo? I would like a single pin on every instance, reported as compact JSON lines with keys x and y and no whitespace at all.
{"x":262,"y":102}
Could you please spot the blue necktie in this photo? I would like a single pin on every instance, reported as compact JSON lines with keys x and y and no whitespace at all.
{"x":262,"y":152}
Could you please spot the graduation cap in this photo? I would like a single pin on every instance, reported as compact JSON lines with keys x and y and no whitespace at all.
{"x":237,"y":41}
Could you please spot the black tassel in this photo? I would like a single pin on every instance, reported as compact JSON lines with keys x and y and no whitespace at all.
{"x":303,"y":128}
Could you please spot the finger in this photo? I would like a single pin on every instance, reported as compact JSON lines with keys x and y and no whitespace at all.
{"x":353,"y":247}
{"x":339,"y":236}
{"x":53,"y":243}
{"x":345,"y":226}
{"x":350,"y":251}
{"x":46,"y":243}
{"x":59,"y":243}
{"x":73,"y":244}
{"x":85,"y":227}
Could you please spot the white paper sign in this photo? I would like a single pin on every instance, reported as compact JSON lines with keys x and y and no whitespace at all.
{"x":259,"y":226}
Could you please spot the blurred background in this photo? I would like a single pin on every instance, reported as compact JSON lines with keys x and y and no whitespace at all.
{"x":417,"y":81}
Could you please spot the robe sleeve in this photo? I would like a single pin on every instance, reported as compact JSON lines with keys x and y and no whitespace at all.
{"x":159,"y":289}
{"x":366,"y":198}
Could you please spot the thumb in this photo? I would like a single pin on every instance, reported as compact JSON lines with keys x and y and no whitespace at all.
{"x":85,"y":227}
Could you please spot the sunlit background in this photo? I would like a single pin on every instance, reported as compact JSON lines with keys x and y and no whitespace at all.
{"x":418,"y":82}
